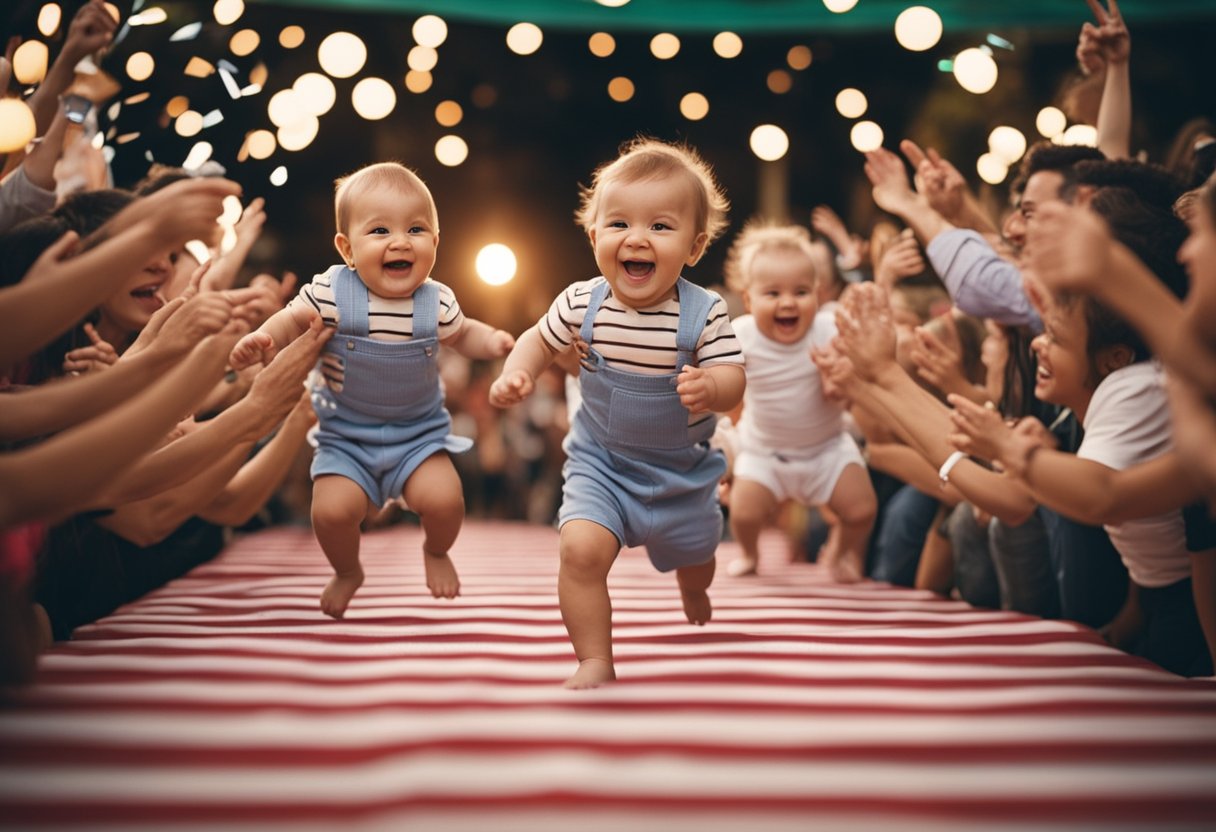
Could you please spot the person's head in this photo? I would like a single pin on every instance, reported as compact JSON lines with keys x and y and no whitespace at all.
{"x":1184,"y":159}
{"x":648,"y":214}
{"x":1152,"y":232}
{"x":1198,"y":255}
{"x":831,"y":282}
{"x":1153,"y":184}
{"x":387,"y":228}
{"x":24,"y":243}
{"x":1040,"y":179}
{"x":773,"y":268}
{"x":160,"y":176}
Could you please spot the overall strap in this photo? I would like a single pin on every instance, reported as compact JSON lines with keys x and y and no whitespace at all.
{"x":695,"y":306}
{"x":351,"y":296}
{"x":593,"y":307}
{"x":426,"y":311}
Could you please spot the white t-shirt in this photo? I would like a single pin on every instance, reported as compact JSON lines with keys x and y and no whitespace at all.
{"x":784,"y":409}
{"x":1127,"y":423}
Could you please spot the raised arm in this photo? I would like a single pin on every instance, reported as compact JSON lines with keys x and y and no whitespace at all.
{"x":482,"y":342}
{"x":528,"y":359}
{"x":1110,"y":39}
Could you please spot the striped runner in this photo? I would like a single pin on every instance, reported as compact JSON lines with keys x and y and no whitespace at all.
{"x":226,"y":700}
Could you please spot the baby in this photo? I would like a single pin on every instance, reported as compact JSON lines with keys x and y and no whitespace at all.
{"x":658,"y":359}
{"x":383,"y":430}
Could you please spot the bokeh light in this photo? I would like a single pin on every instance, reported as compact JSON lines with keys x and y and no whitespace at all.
{"x":1079,"y":134}
{"x":30,"y":62}
{"x":17,"y":125}
{"x":315,"y":93}
{"x":975,"y":70}
{"x":620,"y":89}
{"x":799,"y":57}
{"x":524,"y":39}
{"x":244,"y":42}
{"x":299,"y":134}
{"x":728,"y":45}
{"x":149,"y":17}
{"x":451,"y":151}
{"x":991,"y":168}
{"x":866,"y":136}
{"x":430,"y":30}
{"x":1007,"y":143}
{"x":422,"y":59}
{"x":448,"y":113}
{"x":286,"y":107}
{"x":612,"y":4}
{"x":1050,"y":122}
{"x":694,"y":106}
{"x":496,"y":264}
{"x":291,"y":37}
{"x":342,"y":54}
{"x":418,"y":82}
{"x":196,"y":67}
{"x":779,"y":81}
{"x":177,"y":105}
{"x":278,"y":176}
{"x":373,"y":98}
{"x":198,"y":154}
{"x":664,"y":46}
{"x":228,"y":12}
{"x":49,"y":18}
{"x":601,"y":44}
{"x":261,"y":144}
{"x":918,"y":28}
{"x":769,"y":142}
{"x":851,"y":102}
{"x":188,"y":123}
{"x":839,"y":6}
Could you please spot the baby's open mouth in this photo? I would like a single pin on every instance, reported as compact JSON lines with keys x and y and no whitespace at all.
{"x":638,"y":268}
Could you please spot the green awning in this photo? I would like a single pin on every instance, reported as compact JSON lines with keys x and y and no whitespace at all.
{"x":800,"y":16}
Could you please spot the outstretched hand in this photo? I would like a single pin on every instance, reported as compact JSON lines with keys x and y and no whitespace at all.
{"x":866,"y":330}
{"x":99,"y":355}
{"x":936,"y":179}
{"x":1068,"y":247}
{"x":891,"y":189}
{"x":511,"y":388}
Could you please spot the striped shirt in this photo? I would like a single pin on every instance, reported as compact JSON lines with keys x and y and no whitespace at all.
{"x":637,"y":340}
{"x":388,"y":319}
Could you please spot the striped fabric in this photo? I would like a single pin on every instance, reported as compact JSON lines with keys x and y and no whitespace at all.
{"x":226,"y":700}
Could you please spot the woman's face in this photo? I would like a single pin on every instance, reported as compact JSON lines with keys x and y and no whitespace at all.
{"x":128,"y":310}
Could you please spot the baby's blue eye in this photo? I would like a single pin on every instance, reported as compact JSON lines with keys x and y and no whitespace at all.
{"x":661,"y":226}
{"x":417,"y":229}
{"x":617,"y":224}
{"x":379,"y":229}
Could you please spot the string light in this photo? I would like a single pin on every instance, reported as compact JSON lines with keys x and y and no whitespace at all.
{"x":1007,"y":143}
{"x":728,"y":45}
{"x":601,"y":44}
{"x":30,"y":61}
{"x":918,"y":28}
{"x":851,"y":103}
{"x":291,"y":37}
{"x":1050,"y":122}
{"x":451,"y":151}
{"x":664,"y":46}
{"x":991,"y":168}
{"x":694,"y":106}
{"x":430,"y":30}
{"x":228,"y":12}
{"x":975,"y":70}
{"x":620,"y":89}
{"x":342,"y":54}
{"x":373,"y":98}
{"x":17,"y":126}
{"x":315,"y":93}
{"x":769,"y":142}
{"x":866,"y":136}
{"x":524,"y":39}
{"x":49,"y":18}
{"x":496,"y":264}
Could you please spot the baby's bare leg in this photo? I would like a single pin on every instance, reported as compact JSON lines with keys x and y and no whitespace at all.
{"x":434,"y":492}
{"x":587,"y":552}
{"x":338,"y":507}
{"x":751,"y":507}
{"x":694,"y":580}
{"x":855,"y":506}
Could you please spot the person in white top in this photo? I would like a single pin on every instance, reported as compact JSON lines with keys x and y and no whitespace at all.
{"x":791,"y":442}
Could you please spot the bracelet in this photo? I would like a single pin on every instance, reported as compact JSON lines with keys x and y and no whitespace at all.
{"x":943,"y":473}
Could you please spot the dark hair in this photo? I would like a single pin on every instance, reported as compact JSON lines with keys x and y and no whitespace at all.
{"x":1152,"y":183}
{"x":1152,"y":232}
{"x":1047,"y":156}
{"x":24,"y":243}
{"x":86,"y":211}
{"x":159,"y":176}
{"x":1183,"y":159}
{"x":1017,"y":391}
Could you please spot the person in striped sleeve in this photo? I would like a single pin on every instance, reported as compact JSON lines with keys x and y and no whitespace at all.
{"x":658,"y":360}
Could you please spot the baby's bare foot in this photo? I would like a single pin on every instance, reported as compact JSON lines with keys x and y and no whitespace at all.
{"x":741,"y":566}
{"x":441,"y":577}
{"x":591,"y":673}
{"x":697,"y":606}
{"x":843,"y":569}
{"x":339,"y":591}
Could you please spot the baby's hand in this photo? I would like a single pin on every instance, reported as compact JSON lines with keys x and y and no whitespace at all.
{"x":697,"y":388}
{"x":253,"y":348}
{"x":100,"y":355}
{"x":511,"y":388}
{"x":501,"y":342}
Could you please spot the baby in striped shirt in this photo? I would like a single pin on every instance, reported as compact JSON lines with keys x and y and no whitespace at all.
{"x":383,"y":430}
{"x":658,"y":359}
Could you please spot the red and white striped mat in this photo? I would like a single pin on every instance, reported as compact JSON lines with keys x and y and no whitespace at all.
{"x":227,"y":700}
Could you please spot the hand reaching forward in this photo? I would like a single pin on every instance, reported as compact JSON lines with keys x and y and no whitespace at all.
{"x":500,"y":343}
{"x":891,"y":189}
{"x":697,"y":388}
{"x":99,"y":355}
{"x":936,"y":179}
{"x":511,"y":388}
{"x":866,"y":332}
{"x":1068,"y":247}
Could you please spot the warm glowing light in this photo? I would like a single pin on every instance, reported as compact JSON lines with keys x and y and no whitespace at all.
{"x":484,"y":96}
{"x":664,"y":46}
{"x":975,"y":70}
{"x":196,"y":67}
{"x":261,"y":144}
{"x":448,"y":113}
{"x":373,"y":98}
{"x":188,"y":123}
{"x":300,"y":134}
{"x":342,"y":54}
{"x":177,"y":105}
{"x":17,"y":125}
{"x":1079,"y":134}
{"x":430,"y":30}
{"x":278,"y":176}
{"x":244,"y":42}
{"x":291,"y":37}
{"x":496,"y":264}
{"x":1007,"y":143}
{"x":422,"y":59}
{"x":113,"y":11}
{"x":140,"y":66}
{"x":1050,"y":122}
{"x":286,"y":107}
{"x":918,"y":28}
{"x":418,"y":82}
{"x":727,"y":45}
{"x":258,"y":75}
{"x":30,"y":60}
{"x":851,"y":103}
{"x":601,"y":44}
{"x":991,"y":168}
{"x":769,"y":142}
{"x":779,"y":81}
{"x":799,"y":57}
{"x":866,"y":136}
{"x":694,"y":106}
{"x":198,"y":154}
{"x":612,"y":4}
{"x":451,"y":151}
{"x":49,"y":17}
{"x":149,"y":17}
{"x":620,"y":89}
{"x":315,"y":93}
{"x":839,"y":6}
{"x":524,"y":39}
{"x":228,"y":11}
{"x":138,"y":98}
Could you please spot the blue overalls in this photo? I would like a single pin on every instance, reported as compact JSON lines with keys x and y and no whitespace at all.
{"x":634,"y":463}
{"x":389,"y":415}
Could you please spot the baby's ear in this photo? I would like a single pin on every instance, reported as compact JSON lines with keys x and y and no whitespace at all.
{"x":342,"y":244}
{"x":698,"y":248}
